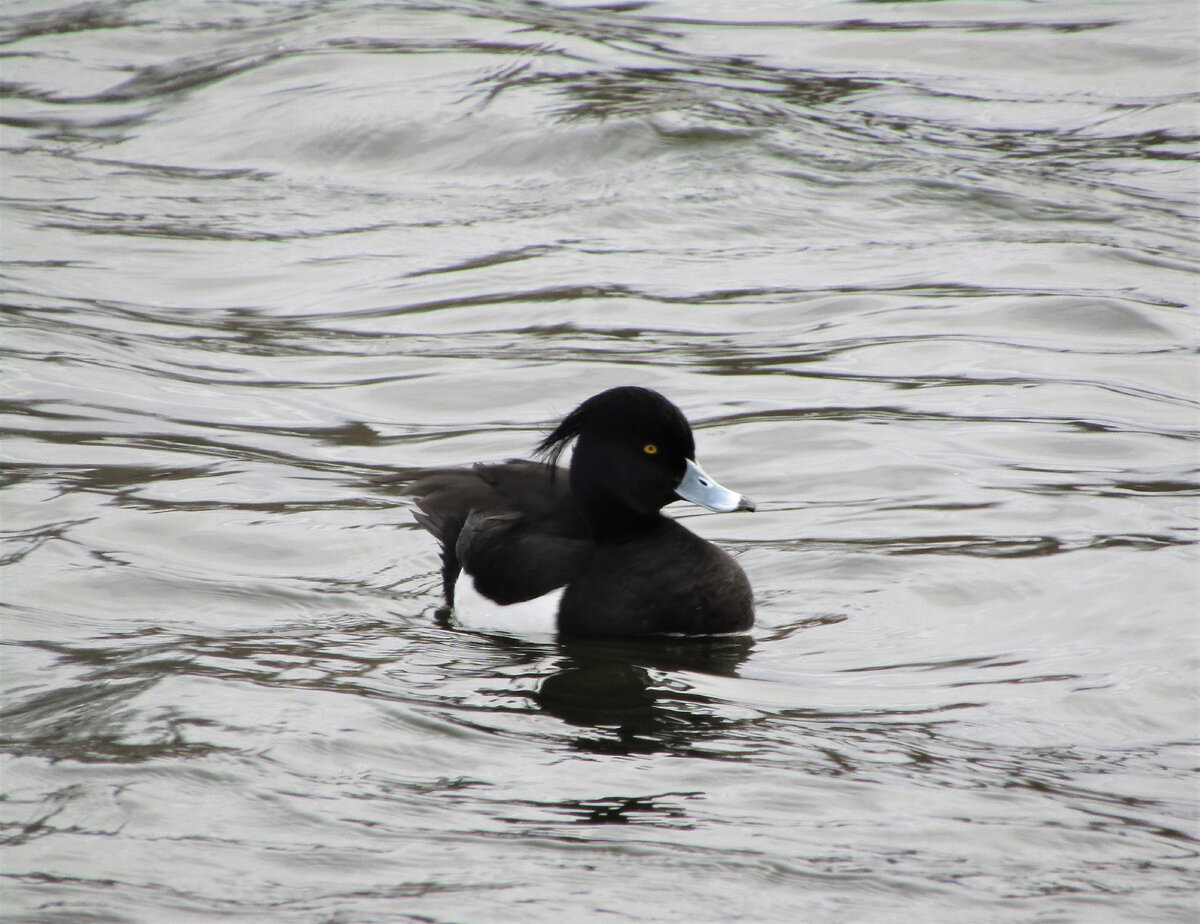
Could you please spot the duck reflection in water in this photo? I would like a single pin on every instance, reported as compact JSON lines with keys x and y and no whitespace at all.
{"x":631,"y":696}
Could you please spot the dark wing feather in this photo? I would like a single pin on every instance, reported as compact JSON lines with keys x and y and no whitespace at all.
{"x":514,"y":527}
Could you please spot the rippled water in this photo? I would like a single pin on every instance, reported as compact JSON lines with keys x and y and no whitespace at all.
{"x":923,"y":274}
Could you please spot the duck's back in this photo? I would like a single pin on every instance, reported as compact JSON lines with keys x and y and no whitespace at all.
{"x":513,"y":526}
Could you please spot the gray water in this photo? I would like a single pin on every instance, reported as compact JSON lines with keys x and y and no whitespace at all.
{"x":921,"y":274}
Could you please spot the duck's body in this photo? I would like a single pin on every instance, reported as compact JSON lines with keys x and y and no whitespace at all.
{"x":594,"y":536}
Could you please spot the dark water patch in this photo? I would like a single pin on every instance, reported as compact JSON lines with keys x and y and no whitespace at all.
{"x":1121,"y":488}
{"x":82,"y":17}
{"x":660,"y":810}
{"x":509,"y":256}
{"x":994,"y":25}
{"x":985,"y":546}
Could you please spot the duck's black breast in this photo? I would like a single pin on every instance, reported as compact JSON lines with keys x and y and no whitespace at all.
{"x":665,"y":580}
{"x":513,"y":526}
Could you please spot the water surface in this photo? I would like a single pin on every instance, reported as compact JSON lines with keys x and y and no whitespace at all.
{"x":921,"y":274}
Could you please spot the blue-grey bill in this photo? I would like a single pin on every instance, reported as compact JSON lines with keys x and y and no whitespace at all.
{"x":701,"y":489}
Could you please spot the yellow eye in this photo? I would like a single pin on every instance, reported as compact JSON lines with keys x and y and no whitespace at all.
{"x":649,"y":449}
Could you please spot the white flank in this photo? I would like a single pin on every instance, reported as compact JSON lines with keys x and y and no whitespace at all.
{"x":473,"y":610}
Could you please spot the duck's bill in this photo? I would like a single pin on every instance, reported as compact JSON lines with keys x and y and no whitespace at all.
{"x":699,"y":488}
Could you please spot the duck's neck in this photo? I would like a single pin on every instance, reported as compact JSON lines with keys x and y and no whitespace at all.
{"x":609,"y":517}
{"x":615,"y":524}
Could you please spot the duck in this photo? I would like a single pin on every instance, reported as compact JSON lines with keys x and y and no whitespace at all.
{"x":590,"y":544}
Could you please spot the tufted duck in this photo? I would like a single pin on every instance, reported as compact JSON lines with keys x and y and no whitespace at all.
{"x":595,"y":540}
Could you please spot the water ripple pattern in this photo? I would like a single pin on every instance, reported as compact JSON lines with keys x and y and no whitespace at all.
{"x":923,"y":275}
